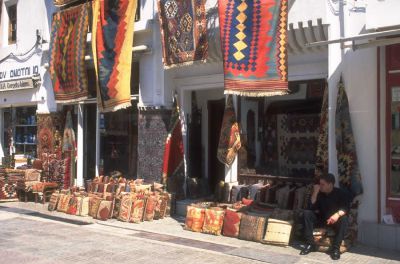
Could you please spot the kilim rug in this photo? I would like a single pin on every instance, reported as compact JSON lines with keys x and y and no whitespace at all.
{"x":253,"y":42}
{"x":321,"y":162}
{"x":69,"y":150}
{"x":183,"y":31}
{"x":297,"y":144}
{"x":67,"y":63}
{"x":173,"y":173}
{"x":349,"y":172}
{"x":112,"y":40}
{"x":229,"y":140}
{"x":48,"y":131}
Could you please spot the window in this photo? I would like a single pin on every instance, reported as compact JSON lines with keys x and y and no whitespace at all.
{"x":393,"y":121}
{"x":12,"y":24}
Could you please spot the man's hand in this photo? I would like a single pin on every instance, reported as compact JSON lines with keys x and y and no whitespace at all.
{"x":316,"y":188}
{"x":314,"y":195}
{"x":333,"y":219}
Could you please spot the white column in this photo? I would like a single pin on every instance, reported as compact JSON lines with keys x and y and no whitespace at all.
{"x":97,"y":173}
{"x":335,"y":18}
{"x":79,"y":170}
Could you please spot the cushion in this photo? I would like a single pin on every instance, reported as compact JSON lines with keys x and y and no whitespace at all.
{"x":157,"y":209}
{"x":63,"y":203}
{"x":125,"y":208}
{"x":84,"y":210}
{"x":74,"y":204}
{"x":213,"y":221}
{"x":149,"y":210}
{"x":283,"y":214}
{"x":231,"y":223}
{"x":94,"y":203}
{"x":32,"y":175}
{"x":117,"y":205}
{"x":104,"y":211}
{"x":53,"y":201}
{"x":163,"y":205}
{"x":194,"y":219}
{"x":252,"y":228}
{"x":137,"y":210}
{"x":278,"y":232}
{"x":247,"y":202}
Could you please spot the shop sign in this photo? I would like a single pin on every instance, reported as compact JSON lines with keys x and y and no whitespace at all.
{"x":19,"y":72}
{"x":20,"y":84}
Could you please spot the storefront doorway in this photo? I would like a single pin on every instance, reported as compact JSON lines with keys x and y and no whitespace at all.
{"x":118,"y":142}
{"x":216,"y":170}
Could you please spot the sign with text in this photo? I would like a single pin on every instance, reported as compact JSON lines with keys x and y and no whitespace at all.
{"x":20,"y":84}
{"x":21,"y":72}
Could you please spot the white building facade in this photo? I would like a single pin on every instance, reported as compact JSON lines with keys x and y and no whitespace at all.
{"x":367,"y":65}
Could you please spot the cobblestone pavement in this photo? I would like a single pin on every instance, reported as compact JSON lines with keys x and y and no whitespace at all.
{"x":31,"y":234}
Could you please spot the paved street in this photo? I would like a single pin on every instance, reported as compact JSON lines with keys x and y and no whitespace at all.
{"x":30,"y":234}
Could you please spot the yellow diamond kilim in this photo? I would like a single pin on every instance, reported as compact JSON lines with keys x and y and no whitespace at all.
{"x":240,"y":45}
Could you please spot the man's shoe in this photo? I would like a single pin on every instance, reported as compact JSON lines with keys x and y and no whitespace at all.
{"x":335,"y":254}
{"x":307,"y":249}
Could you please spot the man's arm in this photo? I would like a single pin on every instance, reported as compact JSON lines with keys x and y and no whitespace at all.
{"x":314,"y":205}
{"x":344,"y":207}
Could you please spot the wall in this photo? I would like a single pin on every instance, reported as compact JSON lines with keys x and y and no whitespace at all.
{"x":375,"y":9}
{"x":359,"y":71}
{"x":38,"y":55}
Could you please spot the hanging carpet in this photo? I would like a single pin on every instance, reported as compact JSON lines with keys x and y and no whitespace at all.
{"x":253,"y":42}
{"x":229,"y":140}
{"x":112,"y":40}
{"x":173,"y":168}
{"x":321,"y":162}
{"x":67,"y":63}
{"x":348,"y":169}
{"x":183,"y":28}
{"x":69,"y":151}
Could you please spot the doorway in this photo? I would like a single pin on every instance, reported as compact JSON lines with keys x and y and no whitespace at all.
{"x":216,"y":170}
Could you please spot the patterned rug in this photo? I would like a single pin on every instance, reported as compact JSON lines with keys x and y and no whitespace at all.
{"x":173,"y":173}
{"x":68,"y":44}
{"x":229,"y":140}
{"x":113,"y":27}
{"x":69,"y":151}
{"x":321,"y":164}
{"x":297,"y":143}
{"x":253,"y":42}
{"x":349,"y":172}
{"x":183,"y":31}
{"x":290,"y":144}
{"x":48,"y":131}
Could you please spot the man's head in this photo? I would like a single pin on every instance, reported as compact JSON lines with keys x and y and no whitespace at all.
{"x":326,"y":183}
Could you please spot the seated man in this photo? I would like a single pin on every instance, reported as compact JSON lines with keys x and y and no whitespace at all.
{"x":329,"y":207}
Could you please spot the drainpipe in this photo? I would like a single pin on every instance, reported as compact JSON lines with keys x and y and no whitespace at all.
{"x":378,"y":111}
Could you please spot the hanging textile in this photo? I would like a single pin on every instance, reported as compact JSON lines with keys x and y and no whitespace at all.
{"x":253,"y":42}
{"x":183,"y":31}
{"x":69,"y":151}
{"x":173,"y":167}
{"x":112,"y":40}
{"x":229,"y":140}
{"x":67,"y":63}
{"x":321,"y":159}
{"x":348,"y":169}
